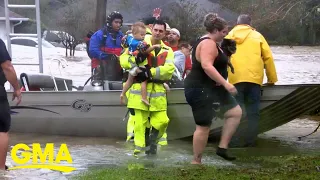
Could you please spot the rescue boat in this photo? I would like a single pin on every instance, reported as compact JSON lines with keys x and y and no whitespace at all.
{"x":62,"y":109}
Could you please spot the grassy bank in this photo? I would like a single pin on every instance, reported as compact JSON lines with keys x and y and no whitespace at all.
{"x":274,"y":167}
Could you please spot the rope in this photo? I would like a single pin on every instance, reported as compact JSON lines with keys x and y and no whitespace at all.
{"x":299,"y":138}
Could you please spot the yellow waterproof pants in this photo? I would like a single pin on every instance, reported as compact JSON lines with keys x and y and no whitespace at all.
{"x":163,"y":140}
{"x":130,"y":128}
{"x":158,"y":120}
{"x":130,"y":132}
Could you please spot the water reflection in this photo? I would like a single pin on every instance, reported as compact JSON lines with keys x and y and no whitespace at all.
{"x":106,"y":152}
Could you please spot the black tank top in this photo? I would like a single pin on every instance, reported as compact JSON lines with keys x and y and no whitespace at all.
{"x":197,"y":78}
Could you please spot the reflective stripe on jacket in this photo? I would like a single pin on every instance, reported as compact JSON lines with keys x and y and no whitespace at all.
{"x":162,"y":68}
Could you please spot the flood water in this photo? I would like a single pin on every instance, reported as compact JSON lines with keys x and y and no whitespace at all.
{"x":297,"y":65}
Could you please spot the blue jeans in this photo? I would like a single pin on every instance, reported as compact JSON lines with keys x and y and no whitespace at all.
{"x":249,"y":95}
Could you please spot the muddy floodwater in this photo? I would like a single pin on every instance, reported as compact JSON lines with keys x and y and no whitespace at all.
{"x":102,"y":152}
{"x":296,"y":65}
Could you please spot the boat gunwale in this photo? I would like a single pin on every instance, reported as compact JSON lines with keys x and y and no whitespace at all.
{"x":172,"y":89}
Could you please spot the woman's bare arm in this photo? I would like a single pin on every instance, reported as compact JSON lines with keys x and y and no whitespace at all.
{"x":208,"y":53}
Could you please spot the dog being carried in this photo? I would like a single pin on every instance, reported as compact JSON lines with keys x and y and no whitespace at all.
{"x":229,"y":47}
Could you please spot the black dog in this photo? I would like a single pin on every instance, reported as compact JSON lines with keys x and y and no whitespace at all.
{"x":229,"y":47}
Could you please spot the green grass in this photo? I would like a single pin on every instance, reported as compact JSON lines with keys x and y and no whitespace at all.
{"x":267,"y":167}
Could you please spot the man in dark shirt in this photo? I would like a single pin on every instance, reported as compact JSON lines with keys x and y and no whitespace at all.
{"x":7,"y":72}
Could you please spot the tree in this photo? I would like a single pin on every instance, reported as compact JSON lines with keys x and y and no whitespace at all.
{"x":188,"y":18}
{"x":101,"y":9}
{"x":282,"y":21}
{"x":76,"y":21}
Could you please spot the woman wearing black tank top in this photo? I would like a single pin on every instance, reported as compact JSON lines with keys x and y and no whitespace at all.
{"x":207,"y":90}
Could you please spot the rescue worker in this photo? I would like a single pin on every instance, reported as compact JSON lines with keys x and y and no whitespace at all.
{"x":130,"y":125}
{"x":252,"y":56}
{"x":105,"y":47}
{"x":149,"y":23}
{"x":161,"y":63}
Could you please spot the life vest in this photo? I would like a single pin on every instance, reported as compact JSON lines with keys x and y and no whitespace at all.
{"x":159,"y":60}
{"x":117,"y":51}
{"x":110,"y":69}
{"x":108,"y":45}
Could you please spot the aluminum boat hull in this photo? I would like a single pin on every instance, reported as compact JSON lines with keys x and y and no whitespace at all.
{"x":100,"y":114}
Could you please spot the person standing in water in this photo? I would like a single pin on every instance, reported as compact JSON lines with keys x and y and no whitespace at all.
{"x":253,"y":55}
{"x":160,"y":69}
{"x":207,"y":90}
{"x":7,"y":73}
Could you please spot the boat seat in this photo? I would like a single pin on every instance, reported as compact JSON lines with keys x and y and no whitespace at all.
{"x":45,"y":81}
{"x":176,"y":84}
{"x":115,"y":85}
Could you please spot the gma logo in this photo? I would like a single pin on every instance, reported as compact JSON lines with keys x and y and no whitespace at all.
{"x":46,"y":157}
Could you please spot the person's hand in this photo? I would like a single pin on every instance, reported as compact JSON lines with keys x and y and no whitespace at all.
{"x":157,"y":46}
{"x":166,"y":86}
{"x":140,"y":58}
{"x":156,"y":13}
{"x":17,"y":95}
{"x":138,"y":70}
{"x":124,"y":38}
{"x":231,"y":89}
{"x":129,"y":32}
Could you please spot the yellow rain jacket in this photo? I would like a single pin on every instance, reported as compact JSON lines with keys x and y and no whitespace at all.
{"x":253,"y":55}
{"x":156,"y":91}
{"x":162,"y":68}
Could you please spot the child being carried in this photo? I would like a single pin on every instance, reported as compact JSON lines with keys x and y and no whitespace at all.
{"x":136,"y":45}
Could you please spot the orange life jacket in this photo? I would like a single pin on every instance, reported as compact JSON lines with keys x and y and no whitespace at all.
{"x":159,"y":60}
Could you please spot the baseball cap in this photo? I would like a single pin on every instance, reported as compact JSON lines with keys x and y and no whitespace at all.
{"x":176,"y":31}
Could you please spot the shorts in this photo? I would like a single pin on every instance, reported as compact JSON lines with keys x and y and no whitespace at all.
{"x":208,"y":104}
{"x":133,"y":71}
{"x":5,"y":116}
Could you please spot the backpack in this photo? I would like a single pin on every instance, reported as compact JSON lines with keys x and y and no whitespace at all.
{"x":88,"y":38}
